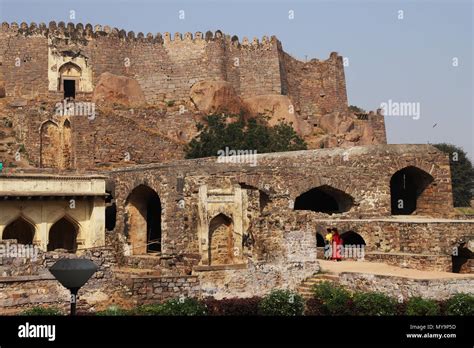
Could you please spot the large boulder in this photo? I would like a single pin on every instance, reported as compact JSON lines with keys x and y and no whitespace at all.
{"x":276,"y":108}
{"x":213,"y":97}
{"x":116,"y":89}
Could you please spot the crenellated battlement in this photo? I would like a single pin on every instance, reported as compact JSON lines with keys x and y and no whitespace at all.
{"x":89,"y":32}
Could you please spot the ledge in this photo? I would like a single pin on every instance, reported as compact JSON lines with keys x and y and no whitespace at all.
{"x":204,"y":268}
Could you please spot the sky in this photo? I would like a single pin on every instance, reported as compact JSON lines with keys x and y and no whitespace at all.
{"x":397,"y":52}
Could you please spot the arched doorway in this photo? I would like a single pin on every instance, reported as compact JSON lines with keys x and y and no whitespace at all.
{"x":352,"y":238}
{"x":50,"y":145}
{"x":144,"y":220}
{"x":461,"y":258}
{"x":69,"y":78}
{"x":406,"y":186}
{"x":63,"y":235}
{"x":221,"y":240}
{"x":324,"y":199}
{"x":319,"y":240}
{"x":353,"y":245}
{"x":21,"y":230}
{"x":67,"y":145}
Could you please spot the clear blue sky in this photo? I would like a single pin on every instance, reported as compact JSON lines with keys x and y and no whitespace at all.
{"x":408,"y":60}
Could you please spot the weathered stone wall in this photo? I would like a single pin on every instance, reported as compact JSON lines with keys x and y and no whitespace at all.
{"x":167,"y":66}
{"x":29,"y":283}
{"x":403,"y":288}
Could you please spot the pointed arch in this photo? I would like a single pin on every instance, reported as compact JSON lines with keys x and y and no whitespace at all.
{"x":50,"y":144}
{"x":324,"y":199}
{"x":67,"y":145}
{"x":406,"y":187}
{"x":221,"y":241}
{"x":20,"y":229}
{"x":69,"y":78}
{"x":63,"y":234}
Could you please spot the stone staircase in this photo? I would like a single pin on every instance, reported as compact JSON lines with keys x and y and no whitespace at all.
{"x":305,"y":287}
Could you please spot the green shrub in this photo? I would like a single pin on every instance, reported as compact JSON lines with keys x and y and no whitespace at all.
{"x":282,"y":302}
{"x":174,"y":307}
{"x":421,"y":306}
{"x":113,"y":311}
{"x":331,"y":299}
{"x":374,"y":303}
{"x":233,"y":306}
{"x":460,"y":304}
{"x":42,"y":311}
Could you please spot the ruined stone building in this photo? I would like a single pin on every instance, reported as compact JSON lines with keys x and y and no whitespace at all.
{"x":102,"y":174}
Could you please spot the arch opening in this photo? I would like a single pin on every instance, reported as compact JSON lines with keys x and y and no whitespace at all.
{"x":63,"y":235}
{"x":319,"y":240}
{"x":70,"y":75}
{"x":352,"y":238}
{"x":221,"y":240}
{"x":144,"y":220}
{"x":21,"y":230}
{"x":406,"y":186}
{"x":324,"y":199}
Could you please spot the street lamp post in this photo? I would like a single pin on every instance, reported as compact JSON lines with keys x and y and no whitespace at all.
{"x":73,"y":274}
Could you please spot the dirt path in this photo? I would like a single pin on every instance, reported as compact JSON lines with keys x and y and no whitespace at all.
{"x":384,"y":269}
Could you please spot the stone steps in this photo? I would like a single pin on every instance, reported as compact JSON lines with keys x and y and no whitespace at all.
{"x":305,"y":288}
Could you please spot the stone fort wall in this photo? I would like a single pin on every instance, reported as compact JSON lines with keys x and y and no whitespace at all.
{"x":167,"y":66}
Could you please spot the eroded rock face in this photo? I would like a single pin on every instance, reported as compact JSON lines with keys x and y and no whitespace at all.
{"x":2,"y":89}
{"x":277,"y":108}
{"x":116,"y":89}
{"x":215,"y":97}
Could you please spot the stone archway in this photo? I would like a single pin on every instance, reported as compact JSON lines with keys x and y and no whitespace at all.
{"x":353,"y":245}
{"x":324,"y":199}
{"x":21,"y":230}
{"x":144,"y":220}
{"x":66,"y":145}
{"x":221,"y":241}
{"x":63,"y":235}
{"x":406,"y":187}
{"x":50,"y":145}
{"x":69,"y":79}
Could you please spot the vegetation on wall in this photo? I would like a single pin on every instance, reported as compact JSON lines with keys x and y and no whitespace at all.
{"x":462,"y":174}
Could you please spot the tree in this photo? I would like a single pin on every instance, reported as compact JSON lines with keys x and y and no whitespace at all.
{"x":242,"y":135}
{"x":462,"y":174}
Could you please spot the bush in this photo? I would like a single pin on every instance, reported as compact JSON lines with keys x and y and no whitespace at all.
{"x":421,"y":306}
{"x":42,"y":311}
{"x":251,"y":134}
{"x":174,"y":307}
{"x":460,"y":304}
{"x":374,"y":303}
{"x":282,"y":302}
{"x":233,"y":306}
{"x":113,"y":311}
{"x":330,"y":299}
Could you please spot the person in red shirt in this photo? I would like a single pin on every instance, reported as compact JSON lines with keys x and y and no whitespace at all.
{"x":337,"y":245}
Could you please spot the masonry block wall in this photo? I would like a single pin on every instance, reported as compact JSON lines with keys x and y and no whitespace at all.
{"x":167,"y":66}
{"x":279,"y":179}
